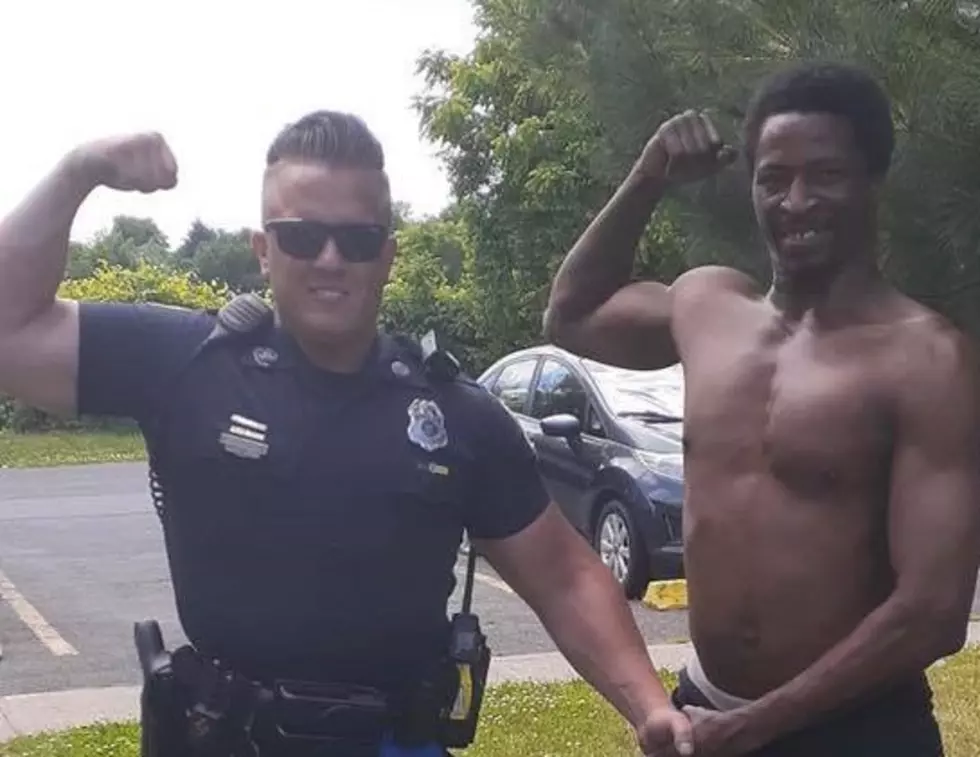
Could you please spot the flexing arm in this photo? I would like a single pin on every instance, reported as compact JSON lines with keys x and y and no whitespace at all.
{"x":594,"y":309}
{"x":934,"y":541}
{"x":39,"y":333}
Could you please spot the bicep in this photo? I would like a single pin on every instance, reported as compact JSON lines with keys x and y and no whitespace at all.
{"x":632,"y":329}
{"x":934,"y":509}
{"x":40,"y":363}
{"x":934,"y":526}
{"x":540,"y":557}
{"x":637,"y":327}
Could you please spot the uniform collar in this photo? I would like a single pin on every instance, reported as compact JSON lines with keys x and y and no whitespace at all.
{"x":388,"y":361}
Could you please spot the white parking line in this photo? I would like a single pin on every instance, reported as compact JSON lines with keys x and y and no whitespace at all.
{"x":43,"y":630}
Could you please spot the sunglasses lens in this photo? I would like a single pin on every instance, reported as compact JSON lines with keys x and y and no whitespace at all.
{"x":306,"y":239}
{"x":301,"y":239}
{"x":359,"y":244}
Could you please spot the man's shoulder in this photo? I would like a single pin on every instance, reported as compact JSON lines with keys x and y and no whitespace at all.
{"x":930,"y":359}
{"x":157,"y":309}
{"x":920,"y":331}
{"x":129,"y":352}
{"x":709,"y":292}
{"x":710,"y":300}
{"x":715,"y":279}
{"x":154,"y":320}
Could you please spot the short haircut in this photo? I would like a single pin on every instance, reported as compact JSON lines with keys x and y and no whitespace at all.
{"x":333,"y":138}
{"x":328,"y":136}
{"x":838,"y":89}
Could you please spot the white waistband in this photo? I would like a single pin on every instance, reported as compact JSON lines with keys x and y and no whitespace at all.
{"x":722,"y":700}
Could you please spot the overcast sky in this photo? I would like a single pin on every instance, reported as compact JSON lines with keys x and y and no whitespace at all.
{"x":218,"y":80}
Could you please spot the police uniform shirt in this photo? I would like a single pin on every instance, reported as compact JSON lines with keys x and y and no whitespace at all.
{"x":311,"y":519}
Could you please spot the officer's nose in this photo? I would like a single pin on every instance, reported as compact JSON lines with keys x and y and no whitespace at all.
{"x":329,"y":256}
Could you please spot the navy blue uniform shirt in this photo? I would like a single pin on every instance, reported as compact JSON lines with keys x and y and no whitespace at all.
{"x":311,"y":533}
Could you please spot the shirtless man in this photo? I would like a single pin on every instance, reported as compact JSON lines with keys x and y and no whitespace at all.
{"x":832,"y":529}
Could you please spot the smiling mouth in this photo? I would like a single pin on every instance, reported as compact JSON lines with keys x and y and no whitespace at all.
{"x":328,"y":294}
{"x":807,"y":237}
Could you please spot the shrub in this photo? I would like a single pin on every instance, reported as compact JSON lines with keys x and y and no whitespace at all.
{"x":146,"y":283}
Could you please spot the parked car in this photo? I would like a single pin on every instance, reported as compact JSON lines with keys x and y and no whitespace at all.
{"x":609,"y":444}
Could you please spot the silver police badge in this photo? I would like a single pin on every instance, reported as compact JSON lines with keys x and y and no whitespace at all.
{"x":426,"y":425}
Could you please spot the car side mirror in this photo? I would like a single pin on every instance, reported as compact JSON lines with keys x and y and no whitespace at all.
{"x":563,"y":425}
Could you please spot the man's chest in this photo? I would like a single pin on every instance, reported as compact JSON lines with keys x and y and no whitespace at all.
{"x":812,"y":411}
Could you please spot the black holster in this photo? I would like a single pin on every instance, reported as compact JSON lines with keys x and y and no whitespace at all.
{"x":189,"y":707}
{"x":163,"y":718}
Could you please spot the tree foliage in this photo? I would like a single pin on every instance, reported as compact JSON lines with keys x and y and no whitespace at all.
{"x":528,"y":160}
{"x":570,"y":90}
{"x":146,"y":282}
{"x":431,"y":287}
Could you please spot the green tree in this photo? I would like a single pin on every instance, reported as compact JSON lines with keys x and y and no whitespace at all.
{"x":198,"y":234}
{"x":228,"y":258}
{"x":430,"y":288}
{"x":220,"y":255}
{"x":141,"y":231}
{"x":125,"y":243}
{"x":541,"y":121}
{"x":650,"y":60}
{"x":527,"y":161}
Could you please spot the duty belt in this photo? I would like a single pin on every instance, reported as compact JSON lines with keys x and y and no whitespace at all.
{"x":224,"y":710}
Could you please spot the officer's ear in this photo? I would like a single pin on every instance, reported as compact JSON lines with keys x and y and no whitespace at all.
{"x":260,"y":246}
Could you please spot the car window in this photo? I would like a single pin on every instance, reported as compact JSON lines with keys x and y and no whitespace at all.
{"x":630,"y":392}
{"x":559,"y":391}
{"x":514,"y":383}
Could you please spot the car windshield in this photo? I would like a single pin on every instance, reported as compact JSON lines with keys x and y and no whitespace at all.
{"x":653,"y":396}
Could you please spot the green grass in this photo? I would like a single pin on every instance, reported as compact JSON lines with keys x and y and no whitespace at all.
{"x":69,"y":448}
{"x":531,"y":720}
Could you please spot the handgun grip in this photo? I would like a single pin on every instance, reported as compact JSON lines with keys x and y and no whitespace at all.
{"x":153,"y":656}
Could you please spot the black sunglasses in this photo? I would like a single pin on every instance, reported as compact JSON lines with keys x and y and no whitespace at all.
{"x":304,"y":239}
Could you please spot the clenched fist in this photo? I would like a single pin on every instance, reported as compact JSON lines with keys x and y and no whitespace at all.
{"x":685,"y":148}
{"x":133,"y":162}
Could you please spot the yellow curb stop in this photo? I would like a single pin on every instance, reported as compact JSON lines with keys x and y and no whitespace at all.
{"x":666,"y":595}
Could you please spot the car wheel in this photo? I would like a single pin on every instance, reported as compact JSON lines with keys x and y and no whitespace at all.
{"x":617,"y":541}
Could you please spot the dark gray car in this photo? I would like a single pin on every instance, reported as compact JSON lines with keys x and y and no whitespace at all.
{"x":610,"y":449}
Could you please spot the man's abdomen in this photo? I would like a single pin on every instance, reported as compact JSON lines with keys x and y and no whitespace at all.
{"x":775,"y":580}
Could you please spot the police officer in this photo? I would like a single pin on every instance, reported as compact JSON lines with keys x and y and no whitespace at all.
{"x":313,"y":475}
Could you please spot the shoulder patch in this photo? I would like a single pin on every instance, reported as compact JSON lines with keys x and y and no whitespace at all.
{"x":244,"y":313}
